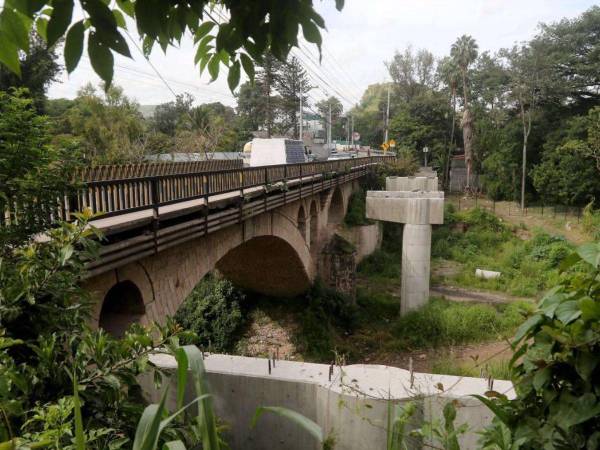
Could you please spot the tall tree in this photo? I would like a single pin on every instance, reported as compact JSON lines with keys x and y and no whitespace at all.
{"x":291,"y":83}
{"x":39,"y":68}
{"x":450,"y":76}
{"x":412,"y":72}
{"x":167,"y":116}
{"x":266,"y":78}
{"x":337,"y":109}
{"x":528,"y":80}
{"x":464,"y":52}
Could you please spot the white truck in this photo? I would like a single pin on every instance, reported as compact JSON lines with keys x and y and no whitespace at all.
{"x":270,"y":152}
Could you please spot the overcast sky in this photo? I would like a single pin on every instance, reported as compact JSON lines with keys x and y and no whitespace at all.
{"x":358,"y":41}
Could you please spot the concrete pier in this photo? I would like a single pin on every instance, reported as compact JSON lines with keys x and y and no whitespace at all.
{"x":417,"y":204}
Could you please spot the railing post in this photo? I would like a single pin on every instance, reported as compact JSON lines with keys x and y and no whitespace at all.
{"x":285,"y":184}
{"x":300,"y":180}
{"x":206,"y":189}
{"x":241,"y":199}
{"x":155,"y":199}
{"x":266,"y":182}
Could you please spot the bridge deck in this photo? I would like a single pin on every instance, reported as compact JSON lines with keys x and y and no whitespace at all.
{"x":119,"y":223}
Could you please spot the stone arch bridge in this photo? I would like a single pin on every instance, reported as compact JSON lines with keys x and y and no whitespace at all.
{"x":263,"y":228}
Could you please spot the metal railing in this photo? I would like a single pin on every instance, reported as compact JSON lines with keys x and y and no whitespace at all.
{"x":111,"y":197}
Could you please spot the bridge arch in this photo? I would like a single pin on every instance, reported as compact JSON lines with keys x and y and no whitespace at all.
{"x":272,"y":266}
{"x":336,"y":207}
{"x":314,"y":224}
{"x":301,"y":222}
{"x":123,"y":305}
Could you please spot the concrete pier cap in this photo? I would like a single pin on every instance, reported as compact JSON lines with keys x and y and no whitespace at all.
{"x":416,"y":203}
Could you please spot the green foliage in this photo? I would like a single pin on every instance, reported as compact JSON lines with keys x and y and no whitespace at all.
{"x":591,"y":221}
{"x":108,"y":125}
{"x":39,"y":68}
{"x":555,"y":366}
{"x":213,"y":313}
{"x":381,"y":263}
{"x":326,"y":311}
{"x":441,"y":322}
{"x":356,"y":214}
{"x":478,"y":239}
{"x":497,"y":369}
{"x":30,"y":168}
{"x":46,"y":342}
{"x":245,"y":33}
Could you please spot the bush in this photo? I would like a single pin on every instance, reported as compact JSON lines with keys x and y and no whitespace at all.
{"x":326,"y":310}
{"x":381,"y":264}
{"x":212,"y":312}
{"x":357,"y":213}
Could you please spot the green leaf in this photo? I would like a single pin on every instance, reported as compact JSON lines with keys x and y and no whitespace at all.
{"x":182,"y":370}
{"x":541,"y":377}
{"x":79,"y":435}
{"x":590,"y":253}
{"x":41,"y":26}
{"x":304,"y":422}
{"x":568,"y":311}
{"x":117,"y":42}
{"x":101,"y":58}
{"x":203,"y":30}
{"x":62,"y":13}
{"x":174,"y":445}
{"x":74,"y":46}
{"x":248,"y":66}
{"x":590,"y":309}
{"x":495,"y":408}
{"x":9,"y":55}
{"x":213,"y":66}
{"x":339,"y":4}
{"x":526,"y":327}
{"x":148,"y":428}
{"x":15,"y":28}
{"x":312,"y":33}
{"x":127,"y":7}
{"x":233,"y":78}
{"x":119,"y":18}
{"x":585,"y":363}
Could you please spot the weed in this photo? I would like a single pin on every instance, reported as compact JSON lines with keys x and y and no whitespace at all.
{"x":497,"y":369}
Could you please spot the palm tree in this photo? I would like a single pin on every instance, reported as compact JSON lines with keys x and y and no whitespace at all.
{"x":464,"y":52}
{"x":450,"y":75}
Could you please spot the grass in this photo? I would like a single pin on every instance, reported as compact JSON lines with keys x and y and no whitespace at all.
{"x":477,"y":239}
{"x":497,"y":369}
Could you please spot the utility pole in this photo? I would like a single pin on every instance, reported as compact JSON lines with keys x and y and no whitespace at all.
{"x":352,"y":132}
{"x":329,"y":128}
{"x":301,"y":121}
{"x":347,"y":132}
{"x":387,"y":115}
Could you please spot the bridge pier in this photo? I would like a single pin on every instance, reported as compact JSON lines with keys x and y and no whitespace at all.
{"x":417,"y":206}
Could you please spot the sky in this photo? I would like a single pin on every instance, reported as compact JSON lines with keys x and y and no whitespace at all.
{"x":358,"y":41}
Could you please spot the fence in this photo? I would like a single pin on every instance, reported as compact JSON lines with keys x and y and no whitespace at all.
{"x":120,"y":196}
{"x":559,"y":212}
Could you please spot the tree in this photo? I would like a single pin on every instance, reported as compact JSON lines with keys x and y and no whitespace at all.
{"x":527,"y":82}
{"x":244,"y":34}
{"x":251,"y":105}
{"x":337,"y":110}
{"x":167,"y":116}
{"x":33,"y":173}
{"x":449,"y":74}
{"x":109,"y":125}
{"x":291,"y":83}
{"x":464,"y":52}
{"x":266,"y":78}
{"x":39,"y":68}
{"x":411,"y":73}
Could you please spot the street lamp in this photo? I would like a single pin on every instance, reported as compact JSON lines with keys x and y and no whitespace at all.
{"x":425,"y":151}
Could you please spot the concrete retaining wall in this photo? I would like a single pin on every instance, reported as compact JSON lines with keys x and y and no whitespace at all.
{"x":366,"y":238}
{"x":352,"y":406}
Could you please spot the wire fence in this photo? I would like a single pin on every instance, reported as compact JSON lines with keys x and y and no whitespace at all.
{"x":559,"y":212}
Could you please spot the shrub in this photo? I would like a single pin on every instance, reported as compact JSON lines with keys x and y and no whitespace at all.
{"x":357,"y":214}
{"x":555,"y":366}
{"x":212,"y":311}
{"x":381,"y":263}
